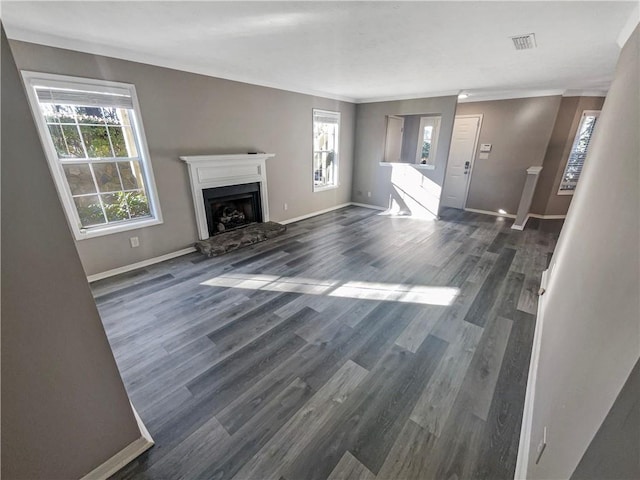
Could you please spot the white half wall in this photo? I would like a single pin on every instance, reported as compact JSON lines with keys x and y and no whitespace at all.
{"x":590,"y":337}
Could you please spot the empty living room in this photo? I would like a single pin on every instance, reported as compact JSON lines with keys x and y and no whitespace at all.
{"x":330,"y":240}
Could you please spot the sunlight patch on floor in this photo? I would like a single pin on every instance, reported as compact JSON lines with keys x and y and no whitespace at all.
{"x":421,"y":294}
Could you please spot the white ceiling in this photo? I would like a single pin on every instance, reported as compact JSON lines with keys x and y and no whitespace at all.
{"x":357,"y":51}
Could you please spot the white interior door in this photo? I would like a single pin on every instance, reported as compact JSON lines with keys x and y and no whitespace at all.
{"x":393,"y":145}
{"x":466,"y":129}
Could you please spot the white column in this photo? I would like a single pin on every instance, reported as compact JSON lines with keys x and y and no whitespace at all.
{"x":533,"y":173}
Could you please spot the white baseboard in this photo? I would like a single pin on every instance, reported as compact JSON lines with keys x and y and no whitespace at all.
{"x":489,"y":212}
{"x":524,"y":447}
{"x":368,"y":205}
{"x":314,"y":214}
{"x":510,"y":215}
{"x":537,"y":215}
{"x":547,"y":217}
{"x":124,"y":456}
{"x":143,"y":263}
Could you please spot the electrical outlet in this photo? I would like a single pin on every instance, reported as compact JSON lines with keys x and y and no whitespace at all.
{"x":135,"y":242}
{"x":285,"y":206}
{"x":369,"y":194}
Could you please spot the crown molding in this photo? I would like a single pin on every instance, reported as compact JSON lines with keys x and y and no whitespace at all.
{"x":410,"y":96}
{"x":83,"y":46}
{"x":585,"y":93}
{"x":507,"y":95}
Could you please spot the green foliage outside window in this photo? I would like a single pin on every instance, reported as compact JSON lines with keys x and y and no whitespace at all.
{"x":117,"y":207}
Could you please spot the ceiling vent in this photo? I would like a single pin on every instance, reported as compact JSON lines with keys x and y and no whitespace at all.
{"x":524,"y":42}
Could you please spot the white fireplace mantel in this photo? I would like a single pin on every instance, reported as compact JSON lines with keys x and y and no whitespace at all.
{"x":210,"y":171}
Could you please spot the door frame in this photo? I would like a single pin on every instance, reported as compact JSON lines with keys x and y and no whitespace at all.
{"x":479,"y":116}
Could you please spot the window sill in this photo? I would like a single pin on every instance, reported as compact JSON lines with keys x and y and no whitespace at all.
{"x":108,"y":230}
{"x":324,"y":188}
{"x":417,"y":166}
{"x":565,"y":192}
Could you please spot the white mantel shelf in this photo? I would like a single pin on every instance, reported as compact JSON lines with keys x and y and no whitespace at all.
{"x":211,"y":171}
{"x":233,"y":157}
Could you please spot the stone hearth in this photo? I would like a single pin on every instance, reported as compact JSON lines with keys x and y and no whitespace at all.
{"x":241,"y":237}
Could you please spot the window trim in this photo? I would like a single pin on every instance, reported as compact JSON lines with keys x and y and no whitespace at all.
{"x":433,"y":121}
{"x":31,"y":80}
{"x":336,"y":161}
{"x":585,"y":113}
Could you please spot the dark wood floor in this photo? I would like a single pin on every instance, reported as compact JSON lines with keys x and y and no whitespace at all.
{"x":355,"y":346}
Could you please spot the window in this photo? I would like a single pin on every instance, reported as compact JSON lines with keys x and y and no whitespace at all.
{"x":578,"y":152}
{"x":93,"y":137}
{"x":326,"y":137}
{"x":428,"y":141}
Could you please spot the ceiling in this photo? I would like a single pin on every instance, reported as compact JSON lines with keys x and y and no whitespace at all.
{"x":356,"y":51}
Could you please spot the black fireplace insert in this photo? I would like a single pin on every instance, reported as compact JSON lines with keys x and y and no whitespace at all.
{"x":232,"y":207}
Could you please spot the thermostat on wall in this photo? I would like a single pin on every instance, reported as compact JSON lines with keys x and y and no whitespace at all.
{"x":485,"y":147}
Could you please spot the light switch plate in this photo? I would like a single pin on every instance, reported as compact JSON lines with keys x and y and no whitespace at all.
{"x":485,"y":147}
{"x":483,"y":156}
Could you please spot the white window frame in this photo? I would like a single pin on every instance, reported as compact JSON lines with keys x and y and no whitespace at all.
{"x":336,"y":160}
{"x":36,"y":79}
{"x":432,"y":121}
{"x":585,"y":113}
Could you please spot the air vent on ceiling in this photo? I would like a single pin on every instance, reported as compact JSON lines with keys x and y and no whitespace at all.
{"x":524,"y":42}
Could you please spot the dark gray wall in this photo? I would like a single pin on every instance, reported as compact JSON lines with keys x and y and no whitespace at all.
{"x":519,"y":131}
{"x":590,"y":311}
{"x":371,"y":120}
{"x":410,"y":138}
{"x":614,"y":452}
{"x":189,"y":114}
{"x":64,"y":407}
{"x":546,"y":200}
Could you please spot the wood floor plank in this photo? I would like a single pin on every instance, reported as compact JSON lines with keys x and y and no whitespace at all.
{"x":371,"y":422}
{"x":490,"y":289}
{"x":189,"y":456}
{"x":411,"y":454}
{"x":485,"y":366}
{"x":236,"y":372}
{"x":434,"y":405}
{"x":251,"y":325}
{"x":375,"y":346}
{"x":349,"y":468}
{"x":502,"y":430}
{"x":419,"y":328}
{"x":528,"y":300}
{"x":225,"y":462}
{"x":498,"y":243}
{"x":284,"y":447}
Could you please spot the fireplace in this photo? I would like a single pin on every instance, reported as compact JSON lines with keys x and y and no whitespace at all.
{"x":231,"y":207}
{"x":213,"y":171}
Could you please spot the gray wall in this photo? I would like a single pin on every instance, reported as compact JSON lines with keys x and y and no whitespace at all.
{"x":589,"y":339}
{"x":546,"y":200}
{"x":410,"y":136}
{"x":64,"y":407}
{"x":615,"y":450}
{"x":519,"y":131}
{"x":368,"y":174}
{"x":189,"y":114}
